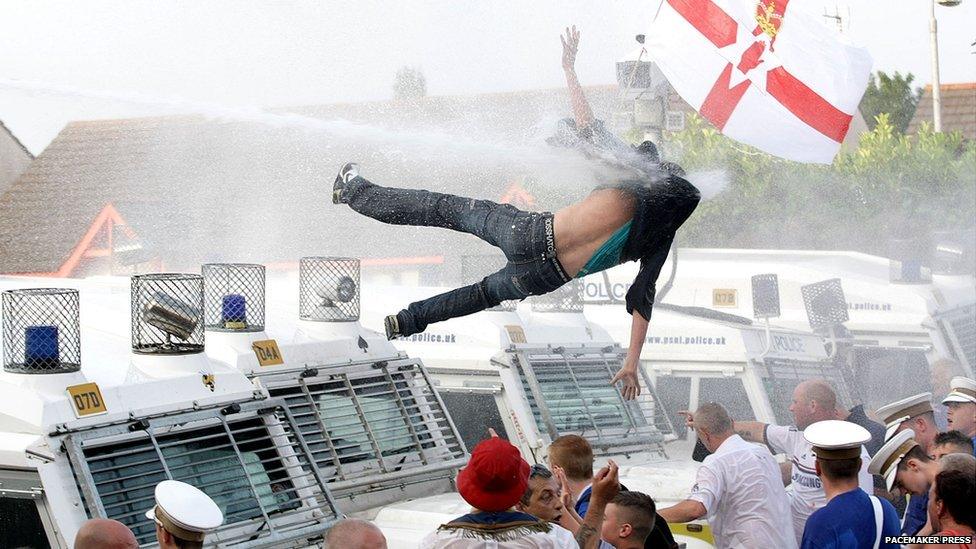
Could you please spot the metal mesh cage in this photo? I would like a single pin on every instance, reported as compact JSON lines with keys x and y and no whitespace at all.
{"x":568,"y":298}
{"x":41,"y":333}
{"x":476,"y":267}
{"x":233,"y":297}
{"x":167,"y":313}
{"x":765,"y":296}
{"x":825,"y":303}
{"x":329,"y":289}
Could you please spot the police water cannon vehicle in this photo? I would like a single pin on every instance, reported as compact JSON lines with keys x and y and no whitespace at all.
{"x":82,"y":439}
{"x":374,"y":425}
{"x":698,"y":353}
{"x":888,"y":319}
{"x":533,"y":379}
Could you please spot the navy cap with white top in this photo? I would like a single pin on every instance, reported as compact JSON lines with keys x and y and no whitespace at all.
{"x":834,"y":439}
{"x":885,"y":461}
{"x":185,"y":511}
{"x":896,"y":413}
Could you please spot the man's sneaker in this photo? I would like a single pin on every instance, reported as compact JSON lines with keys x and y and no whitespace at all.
{"x":346,"y":174}
{"x":392,"y":325}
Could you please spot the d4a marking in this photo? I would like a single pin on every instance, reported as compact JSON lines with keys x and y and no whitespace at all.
{"x":267,"y":352}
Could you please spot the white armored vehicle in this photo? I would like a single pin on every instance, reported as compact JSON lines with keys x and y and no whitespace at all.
{"x":537,"y":370}
{"x":375,"y":426}
{"x":90,"y":424}
{"x":888,"y":320}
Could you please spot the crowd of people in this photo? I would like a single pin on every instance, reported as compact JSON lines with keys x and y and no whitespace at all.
{"x":822,"y":496}
{"x":835,"y":489}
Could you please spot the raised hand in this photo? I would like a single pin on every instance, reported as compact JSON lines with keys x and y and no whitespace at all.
{"x":606,"y":483}
{"x":570,"y":47}
{"x":689,"y":418}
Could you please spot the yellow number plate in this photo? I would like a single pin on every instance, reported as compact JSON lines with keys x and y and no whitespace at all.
{"x":724,"y":297}
{"x":86,"y":400}
{"x":267,"y":352}
{"x":515,"y":334}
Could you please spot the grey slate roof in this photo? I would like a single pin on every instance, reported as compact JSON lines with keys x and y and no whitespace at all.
{"x":14,"y":157}
{"x":196,"y":189}
{"x":958,"y":109}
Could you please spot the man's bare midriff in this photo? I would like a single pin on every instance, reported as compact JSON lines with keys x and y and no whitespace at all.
{"x":580,"y":229}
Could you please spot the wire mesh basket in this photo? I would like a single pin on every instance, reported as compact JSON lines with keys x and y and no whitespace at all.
{"x":568,"y":298}
{"x":825,"y":303}
{"x":765,"y":296}
{"x":328,"y":289}
{"x":233,"y":297}
{"x":476,"y":267}
{"x":41,"y":331}
{"x":167,"y":313}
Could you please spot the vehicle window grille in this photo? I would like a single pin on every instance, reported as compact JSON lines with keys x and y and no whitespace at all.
{"x":267,"y":487}
{"x":888,"y":374}
{"x":569,"y":392}
{"x":730,"y":392}
{"x":675,"y":394}
{"x":380,"y":426}
{"x":781,"y":376}
{"x":962,"y":323}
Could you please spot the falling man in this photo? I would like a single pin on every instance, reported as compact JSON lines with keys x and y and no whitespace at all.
{"x":628,"y":219}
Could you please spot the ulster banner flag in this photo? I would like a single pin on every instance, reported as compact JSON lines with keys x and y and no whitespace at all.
{"x":767,"y":73}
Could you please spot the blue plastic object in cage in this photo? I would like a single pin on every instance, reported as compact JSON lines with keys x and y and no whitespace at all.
{"x":234,"y":312}
{"x":42,"y":346}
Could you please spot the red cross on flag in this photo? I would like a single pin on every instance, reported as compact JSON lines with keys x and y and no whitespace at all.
{"x":767,"y":73}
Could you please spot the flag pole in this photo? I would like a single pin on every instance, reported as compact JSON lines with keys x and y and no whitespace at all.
{"x":657,"y":12}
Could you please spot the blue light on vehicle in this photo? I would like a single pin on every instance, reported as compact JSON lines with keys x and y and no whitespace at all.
{"x":41,"y":346}
{"x":234,"y":311}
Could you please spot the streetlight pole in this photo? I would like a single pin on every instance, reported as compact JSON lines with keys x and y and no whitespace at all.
{"x":936,"y":85}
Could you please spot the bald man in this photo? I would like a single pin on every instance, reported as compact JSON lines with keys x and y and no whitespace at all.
{"x":813,"y":400}
{"x":738,"y":487}
{"x":354,"y":534}
{"x":105,"y":534}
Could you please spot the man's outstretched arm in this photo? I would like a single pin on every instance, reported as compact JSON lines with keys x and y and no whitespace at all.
{"x":581,"y":107}
{"x":684,"y":511}
{"x":628,"y":373}
{"x":751,"y":431}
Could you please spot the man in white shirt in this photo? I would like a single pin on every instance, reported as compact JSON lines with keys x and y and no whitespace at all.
{"x":739,"y":488}
{"x":813,"y":400}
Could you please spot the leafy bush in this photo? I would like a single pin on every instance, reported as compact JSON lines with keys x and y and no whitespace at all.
{"x":892,"y":185}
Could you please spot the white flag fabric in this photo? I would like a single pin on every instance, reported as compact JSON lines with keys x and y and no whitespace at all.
{"x":767,"y":73}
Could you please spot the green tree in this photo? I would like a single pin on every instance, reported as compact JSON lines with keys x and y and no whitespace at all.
{"x":892,"y":95}
{"x":409,"y":84}
{"x":893,"y":185}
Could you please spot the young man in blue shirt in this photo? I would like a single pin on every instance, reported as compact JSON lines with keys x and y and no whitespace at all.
{"x":852,"y":519}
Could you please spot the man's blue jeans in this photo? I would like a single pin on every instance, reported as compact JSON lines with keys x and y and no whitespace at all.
{"x":526,"y":238}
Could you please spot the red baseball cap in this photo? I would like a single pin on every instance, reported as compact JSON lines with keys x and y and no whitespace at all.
{"x":496,"y":476}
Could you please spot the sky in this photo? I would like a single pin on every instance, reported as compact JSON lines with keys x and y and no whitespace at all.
{"x":277,"y":54}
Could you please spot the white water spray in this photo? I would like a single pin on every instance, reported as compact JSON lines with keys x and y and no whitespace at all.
{"x":553,"y":167}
